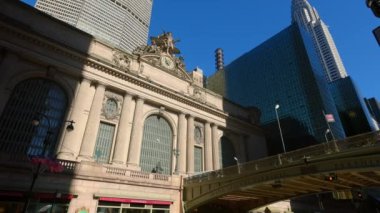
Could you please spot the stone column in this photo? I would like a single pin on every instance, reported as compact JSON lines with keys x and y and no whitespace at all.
{"x":208,"y":147}
{"x":182,"y":143}
{"x":190,"y":144}
{"x":90,"y":134}
{"x":71,"y":143}
{"x":215,"y":142}
{"x":123,"y":133}
{"x":136,"y":134}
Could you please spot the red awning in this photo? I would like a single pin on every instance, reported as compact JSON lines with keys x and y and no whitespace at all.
{"x":11,"y":194}
{"x":131,"y":200}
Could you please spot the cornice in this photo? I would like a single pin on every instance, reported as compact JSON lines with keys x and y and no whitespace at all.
{"x":101,"y":65}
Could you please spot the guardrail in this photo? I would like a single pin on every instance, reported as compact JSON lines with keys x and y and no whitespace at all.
{"x":301,"y":155}
{"x":72,"y":167}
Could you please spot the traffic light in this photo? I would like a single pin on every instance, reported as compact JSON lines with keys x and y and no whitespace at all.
{"x":331,"y":177}
{"x":360,"y":195}
{"x":375,"y":6}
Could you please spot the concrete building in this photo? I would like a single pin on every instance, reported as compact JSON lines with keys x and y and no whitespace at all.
{"x":121,"y":23}
{"x":307,"y":17}
{"x":111,"y":131}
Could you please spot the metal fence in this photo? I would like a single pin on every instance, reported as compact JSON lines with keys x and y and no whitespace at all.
{"x":292,"y":157}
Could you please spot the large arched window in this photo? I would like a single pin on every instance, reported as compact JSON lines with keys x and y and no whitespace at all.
{"x":33,"y":99}
{"x":228,"y":152}
{"x":156,"y":149}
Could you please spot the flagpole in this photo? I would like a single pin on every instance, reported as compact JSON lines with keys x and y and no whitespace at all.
{"x":328,"y":125}
{"x":332,"y":134}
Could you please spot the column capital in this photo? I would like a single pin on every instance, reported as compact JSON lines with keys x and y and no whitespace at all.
{"x":139,"y":98}
{"x":97,"y":84}
{"x":85,"y":80}
{"x":182,"y":113}
{"x":214,"y":125}
{"x":128,"y":94}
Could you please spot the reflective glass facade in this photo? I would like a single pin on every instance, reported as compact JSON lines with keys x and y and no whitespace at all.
{"x":284,"y":70}
{"x":352,"y":110}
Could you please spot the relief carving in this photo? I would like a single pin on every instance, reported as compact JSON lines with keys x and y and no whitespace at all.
{"x":121,"y":60}
{"x":112,"y":103}
{"x":199,"y":95}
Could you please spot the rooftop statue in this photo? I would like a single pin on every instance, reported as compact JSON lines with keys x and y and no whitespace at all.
{"x":166,"y":43}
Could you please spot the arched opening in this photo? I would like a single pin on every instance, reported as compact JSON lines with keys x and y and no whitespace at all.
{"x":228,"y":152}
{"x":156,"y":148}
{"x":39,"y":100}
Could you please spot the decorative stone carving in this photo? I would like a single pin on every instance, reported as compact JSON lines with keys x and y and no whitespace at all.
{"x":254,"y":115}
{"x":199,"y":95}
{"x":111,"y":109}
{"x":162,"y":54}
{"x":121,"y":60}
{"x":199,"y":134}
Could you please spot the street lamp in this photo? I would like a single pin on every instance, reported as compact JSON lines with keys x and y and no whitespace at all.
{"x":276,"y":107}
{"x":46,"y":142}
{"x":36,"y":123}
{"x":237,"y":163}
{"x":327,"y":132}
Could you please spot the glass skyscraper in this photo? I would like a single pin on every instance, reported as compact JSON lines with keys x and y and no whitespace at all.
{"x":307,"y":17}
{"x":285,"y":70}
{"x":351,"y":107}
{"x":121,"y":23}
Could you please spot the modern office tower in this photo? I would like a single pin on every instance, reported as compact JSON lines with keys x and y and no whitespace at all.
{"x":374,"y":108}
{"x":122,"y":23}
{"x":307,"y":17}
{"x":284,"y":70}
{"x":352,"y":110}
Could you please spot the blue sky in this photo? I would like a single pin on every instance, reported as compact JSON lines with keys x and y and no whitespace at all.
{"x":240,"y":25}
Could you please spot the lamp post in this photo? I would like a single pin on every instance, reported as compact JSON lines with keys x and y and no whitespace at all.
{"x":276,"y":107}
{"x":36,"y":122}
{"x":237,"y":163}
{"x":327,"y":132}
{"x":46,"y":142}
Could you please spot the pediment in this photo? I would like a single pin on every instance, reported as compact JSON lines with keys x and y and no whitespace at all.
{"x":162,"y":54}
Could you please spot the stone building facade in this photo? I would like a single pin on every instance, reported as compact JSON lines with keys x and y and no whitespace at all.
{"x":111,"y":130}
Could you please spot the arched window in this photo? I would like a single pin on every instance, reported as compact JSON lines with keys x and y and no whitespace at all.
{"x":156,"y":149}
{"x":33,"y":100}
{"x":228,"y":153}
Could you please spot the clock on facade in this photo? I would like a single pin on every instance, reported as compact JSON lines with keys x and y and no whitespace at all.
{"x":167,"y":62}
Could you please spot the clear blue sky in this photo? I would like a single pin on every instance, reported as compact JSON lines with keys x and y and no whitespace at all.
{"x":237,"y":26}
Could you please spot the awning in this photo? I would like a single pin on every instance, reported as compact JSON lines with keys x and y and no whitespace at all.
{"x":11,"y":194}
{"x":132,"y":200}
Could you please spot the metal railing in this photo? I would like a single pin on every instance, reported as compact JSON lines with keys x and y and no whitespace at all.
{"x":291,"y":157}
